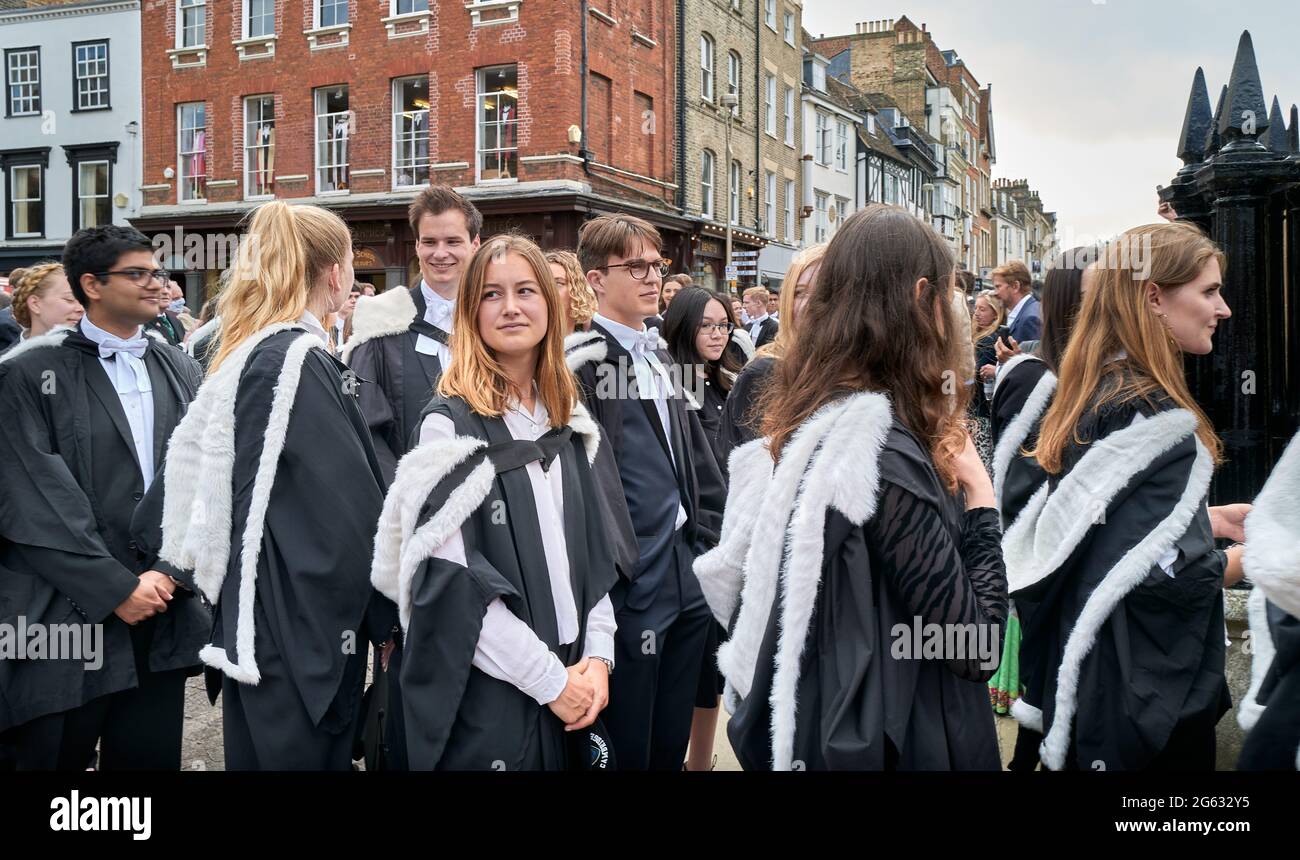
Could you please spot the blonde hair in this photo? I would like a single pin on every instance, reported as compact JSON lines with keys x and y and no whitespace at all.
{"x":475,"y":375}
{"x":32,"y":283}
{"x":802,"y":262}
{"x":582,"y":298}
{"x":1115,"y":316}
{"x":759,"y":292}
{"x":999,"y":316}
{"x":284,"y":251}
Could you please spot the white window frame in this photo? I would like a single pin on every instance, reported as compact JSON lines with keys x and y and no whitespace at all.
{"x":33,"y":81}
{"x":841,"y":211}
{"x":789,"y":116}
{"x":182,"y":154}
{"x":480,"y":122}
{"x":247,"y":17}
{"x":318,"y":7}
{"x":842,"y":146}
{"x":790,"y":201}
{"x":251,"y":148}
{"x":788,"y":28}
{"x":708,"y":57}
{"x":412,"y":166}
{"x":769,"y":104}
{"x":821,"y":226}
{"x":320,"y":102}
{"x":822,"y":138}
{"x":393,"y":5}
{"x":15,"y":200}
{"x":708,"y":166}
{"x":769,"y":204}
{"x":82,"y":196}
{"x":199,"y":27}
{"x":79,"y":63}
{"x":734,"y":71}
{"x":769,"y":14}
{"x":733,"y":191}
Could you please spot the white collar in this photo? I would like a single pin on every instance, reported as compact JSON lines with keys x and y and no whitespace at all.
{"x":436,"y":308}
{"x":308,"y":321}
{"x":1016,"y":310}
{"x":756,"y":320}
{"x":625,"y":335}
{"x":97,"y":335}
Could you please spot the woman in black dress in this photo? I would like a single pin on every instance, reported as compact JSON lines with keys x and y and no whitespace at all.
{"x":989,"y":315}
{"x":698,"y":329}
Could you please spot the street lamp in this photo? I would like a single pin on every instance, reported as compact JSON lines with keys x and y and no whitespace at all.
{"x":729,"y":102}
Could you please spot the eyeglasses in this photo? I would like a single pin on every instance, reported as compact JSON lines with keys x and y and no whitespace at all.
{"x":638,"y":269}
{"x":720,"y":328}
{"x":139,"y":277}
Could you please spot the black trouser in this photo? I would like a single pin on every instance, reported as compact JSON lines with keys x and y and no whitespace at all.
{"x":658,"y":654}
{"x":138,"y":729}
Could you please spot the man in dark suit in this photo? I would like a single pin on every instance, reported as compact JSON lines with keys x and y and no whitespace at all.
{"x":398,"y":351}
{"x":167,"y":323}
{"x":673,"y":492}
{"x":762,"y":326}
{"x":1013,"y":285}
{"x":88,"y":414}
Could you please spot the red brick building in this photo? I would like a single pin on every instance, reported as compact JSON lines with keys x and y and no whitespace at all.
{"x":355,"y":104}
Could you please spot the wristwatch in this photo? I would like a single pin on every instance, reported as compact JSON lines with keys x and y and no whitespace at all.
{"x":609,"y":664}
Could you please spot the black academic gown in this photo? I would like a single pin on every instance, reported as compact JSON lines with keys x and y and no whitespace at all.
{"x":741,"y":421}
{"x":314,"y":608}
{"x":860,"y":708}
{"x":1152,"y":687}
{"x":458,"y":717}
{"x":1274,"y":741}
{"x":396,"y":384}
{"x":67,"y":552}
{"x":10,"y":331}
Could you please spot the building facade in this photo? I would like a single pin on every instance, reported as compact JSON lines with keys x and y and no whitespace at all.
{"x":830,"y":152}
{"x":69,"y":137}
{"x":779,"y":77}
{"x":541,"y":116}
{"x":1039,"y":225}
{"x":1008,"y":228}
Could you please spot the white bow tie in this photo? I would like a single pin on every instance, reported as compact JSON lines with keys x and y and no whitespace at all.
{"x":646,"y":342}
{"x":111,"y":346}
{"x":440,"y":315}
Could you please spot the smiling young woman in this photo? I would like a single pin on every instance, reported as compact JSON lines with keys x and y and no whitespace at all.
{"x":510,"y":561}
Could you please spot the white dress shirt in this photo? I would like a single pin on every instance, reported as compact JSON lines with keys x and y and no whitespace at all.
{"x":437,"y":312}
{"x":507,"y":648}
{"x":130,"y":379}
{"x":651,"y":379}
{"x":309,"y":321}
{"x":1015,"y":312}
{"x":755,"y":325}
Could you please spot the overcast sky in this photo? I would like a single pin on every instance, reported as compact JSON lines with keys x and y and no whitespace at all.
{"x":1089,"y":95}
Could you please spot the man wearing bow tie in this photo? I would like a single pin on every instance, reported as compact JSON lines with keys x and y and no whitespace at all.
{"x":673,"y":491}
{"x":88,"y":414}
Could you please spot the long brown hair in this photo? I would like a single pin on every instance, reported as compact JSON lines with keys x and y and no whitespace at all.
{"x":1116,"y":317}
{"x":866,"y":328}
{"x":475,"y":375}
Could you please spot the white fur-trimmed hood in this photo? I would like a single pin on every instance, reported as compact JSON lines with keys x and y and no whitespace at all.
{"x":1014,"y":436}
{"x":1055,"y":522}
{"x":1272,"y":555}
{"x":582,"y":347}
{"x":53,"y":337}
{"x":199,"y":489}
{"x":772,"y":536}
{"x":390,"y":312}
{"x":400,"y":548}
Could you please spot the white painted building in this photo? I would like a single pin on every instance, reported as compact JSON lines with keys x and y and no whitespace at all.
{"x":70,"y":153}
{"x":1007,"y":223}
{"x":830,"y":133}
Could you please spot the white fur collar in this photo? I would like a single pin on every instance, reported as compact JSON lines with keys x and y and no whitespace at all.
{"x":1054,"y":523}
{"x":772,"y":536}
{"x":1261,"y":658}
{"x":741,"y":337}
{"x":211,"y":326}
{"x":1015,"y":434}
{"x":400,"y":548}
{"x":53,"y":337}
{"x":1011,"y":364}
{"x":198,"y":493}
{"x":1272,"y":557}
{"x":390,"y":312}
{"x":582,"y":347}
